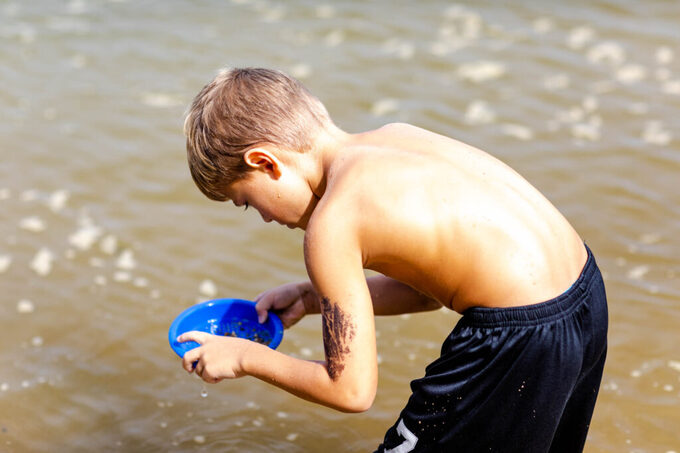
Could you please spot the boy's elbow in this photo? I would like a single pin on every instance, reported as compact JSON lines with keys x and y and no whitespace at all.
{"x":357,"y":400}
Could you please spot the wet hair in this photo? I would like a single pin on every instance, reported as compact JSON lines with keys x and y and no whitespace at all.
{"x":239,"y":109}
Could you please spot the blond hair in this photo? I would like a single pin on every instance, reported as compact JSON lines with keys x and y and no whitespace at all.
{"x":242,"y":108}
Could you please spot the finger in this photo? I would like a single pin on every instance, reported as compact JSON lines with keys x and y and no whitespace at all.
{"x":200,"y":369}
{"x":190,"y":358}
{"x":194,"y":335}
{"x":262,"y":307}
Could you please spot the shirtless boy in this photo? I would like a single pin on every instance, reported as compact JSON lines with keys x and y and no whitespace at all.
{"x":445,"y":225}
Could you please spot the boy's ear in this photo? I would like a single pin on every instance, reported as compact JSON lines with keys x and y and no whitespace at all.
{"x":263,"y":159}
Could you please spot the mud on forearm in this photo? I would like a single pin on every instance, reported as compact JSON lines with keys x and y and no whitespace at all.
{"x":338,"y":332}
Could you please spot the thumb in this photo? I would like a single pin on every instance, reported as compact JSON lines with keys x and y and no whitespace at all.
{"x":193,"y":335}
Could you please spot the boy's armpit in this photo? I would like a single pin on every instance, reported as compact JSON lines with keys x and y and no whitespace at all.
{"x":338,"y":332}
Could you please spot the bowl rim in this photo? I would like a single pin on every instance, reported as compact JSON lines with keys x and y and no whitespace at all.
{"x":173,"y":334}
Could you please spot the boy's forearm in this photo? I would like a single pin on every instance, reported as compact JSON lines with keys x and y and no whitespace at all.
{"x":389,"y":297}
{"x":392,"y":297}
{"x":308,"y":380}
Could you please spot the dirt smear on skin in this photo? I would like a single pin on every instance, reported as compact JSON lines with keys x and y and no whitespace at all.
{"x":338,"y":332}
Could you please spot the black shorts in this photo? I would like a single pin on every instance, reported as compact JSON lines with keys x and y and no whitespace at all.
{"x":520,"y":379}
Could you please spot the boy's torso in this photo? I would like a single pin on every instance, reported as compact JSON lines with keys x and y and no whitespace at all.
{"x":450,"y":220}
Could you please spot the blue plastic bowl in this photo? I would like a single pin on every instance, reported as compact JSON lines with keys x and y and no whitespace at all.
{"x":232,"y":317}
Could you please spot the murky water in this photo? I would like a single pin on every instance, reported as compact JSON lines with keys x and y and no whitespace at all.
{"x":104,"y":238}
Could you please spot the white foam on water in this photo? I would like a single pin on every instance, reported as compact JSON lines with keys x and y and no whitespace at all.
{"x":481,"y":71}
{"x":76,"y":7}
{"x":96,"y":262}
{"x":301,"y":71}
{"x":650,"y":238}
{"x":655,"y":133}
{"x":400,"y":48}
{"x":663,"y":74}
{"x":292,"y":437}
{"x":664,"y":55}
{"x":122,"y":276}
{"x":78,"y":61}
{"x":608,"y":52}
{"x":25,"y":306}
{"x":140,"y":282}
{"x":671,"y":87}
{"x":37,"y":341}
{"x":573,"y":115}
{"x":543,"y":25}
{"x":479,"y":112}
{"x":33,"y":224}
{"x":42,"y":262}
{"x":126,"y":260}
{"x":161,"y":100}
{"x":325,"y":11}
{"x":4,"y":387}
{"x":638,"y":272}
{"x":590,"y":104}
{"x":517,"y":131}
{"x":207,"y":288}
{"x":465,"y":23}
{"x":556,"y":82}
{"x":674,"y":364}
{"x":631,"y":73}
{"x":100,"y":280}
{"x":109,"y":244}
{"x":5,"y":262}
{"x":86,"y":235}
{"x":579,"y":37}
{"x":272,"y":14}
{"x":5,"y":193}
{"x":590,"y":130}
{"x":384,"y":106}
{"x":638,"y":108}
{"x":57,"y":200}
{"x":334,"y":38}
{"x":199,"y":439}
{"x":28,"y":195}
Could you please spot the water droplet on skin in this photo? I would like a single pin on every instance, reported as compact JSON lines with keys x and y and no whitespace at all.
{"x":204,"y":393}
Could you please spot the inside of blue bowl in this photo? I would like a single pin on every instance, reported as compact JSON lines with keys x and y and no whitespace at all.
{"x":229,"y":317}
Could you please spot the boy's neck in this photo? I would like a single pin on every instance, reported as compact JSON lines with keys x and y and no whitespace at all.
{"x":327,"y":146}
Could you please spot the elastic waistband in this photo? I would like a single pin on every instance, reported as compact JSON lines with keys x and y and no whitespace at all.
{"x":539,"y":313}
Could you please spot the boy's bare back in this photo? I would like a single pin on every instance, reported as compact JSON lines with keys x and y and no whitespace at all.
{"x":446,"y":218}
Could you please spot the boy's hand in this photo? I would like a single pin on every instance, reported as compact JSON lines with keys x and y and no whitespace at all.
{"x":216,"y":358}
{"x":291,"y":302}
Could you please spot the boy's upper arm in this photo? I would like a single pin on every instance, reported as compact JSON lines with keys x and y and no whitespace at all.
{"x":334,"y":262}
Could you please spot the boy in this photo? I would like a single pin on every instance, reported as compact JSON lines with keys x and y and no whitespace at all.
{"x":446,"y":225}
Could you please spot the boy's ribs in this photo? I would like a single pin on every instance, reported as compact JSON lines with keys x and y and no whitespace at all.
{"x":338,"y":331}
